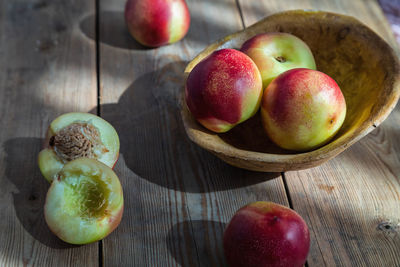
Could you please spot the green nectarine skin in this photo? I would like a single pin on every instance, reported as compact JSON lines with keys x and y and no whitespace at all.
{"x":302,"y":109}
{"x":85,"y":202}
{"x":266,"y":234}
{"x":223,"y":90}
{"x":277,"y":52}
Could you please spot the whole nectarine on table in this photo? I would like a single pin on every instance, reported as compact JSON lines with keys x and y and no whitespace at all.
{"x":157,"y":22}
{"x":266,"y":234}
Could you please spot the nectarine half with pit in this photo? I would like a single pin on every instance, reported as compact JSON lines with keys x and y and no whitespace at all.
{"x":84,"y":202}
{"x":75,"y":135}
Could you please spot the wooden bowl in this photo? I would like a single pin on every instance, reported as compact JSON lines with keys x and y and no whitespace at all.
{"x":364,"y":66}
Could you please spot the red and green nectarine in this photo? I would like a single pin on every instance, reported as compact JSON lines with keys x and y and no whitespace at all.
{"x":302,"y":109}
{"x":223,"y":90}
{"x":157,"y":22}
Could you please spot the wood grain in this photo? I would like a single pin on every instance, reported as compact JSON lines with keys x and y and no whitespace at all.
{"x":350,"y":203}
{"x":47,"y":67}
{"x":178,"y":197}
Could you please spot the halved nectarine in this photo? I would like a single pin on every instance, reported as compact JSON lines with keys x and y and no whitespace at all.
{"x":85,"y":202}
{"x":75,"y":135}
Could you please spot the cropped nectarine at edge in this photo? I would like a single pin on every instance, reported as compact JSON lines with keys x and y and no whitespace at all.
{"x":263,"y":234}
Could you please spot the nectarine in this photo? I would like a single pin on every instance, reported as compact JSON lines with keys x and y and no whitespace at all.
{"x":277,"y":52}
{"x":84,"y":202}
{"x":266,"y":234}
{"x":302,"y":109}
{"x":157,"y":22}
{"x":75,"y":135}
{"x":223,"y":90}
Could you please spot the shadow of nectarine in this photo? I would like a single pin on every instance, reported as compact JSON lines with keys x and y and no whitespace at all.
{"x":251,"y":136}
{"x":24,"y":173}
{"x":197,"y":243}
{"x":112,"y":30}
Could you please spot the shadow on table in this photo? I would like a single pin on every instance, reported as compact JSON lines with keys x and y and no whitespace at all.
{"x":197,"y":243}
{"x":22,"y":170}
{"x":154,"y":142}
{"x":113,"y":30}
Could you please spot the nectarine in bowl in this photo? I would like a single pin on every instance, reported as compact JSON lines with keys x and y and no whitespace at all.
{"x":364,"y":66}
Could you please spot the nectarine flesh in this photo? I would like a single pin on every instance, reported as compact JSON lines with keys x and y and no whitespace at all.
{"x":85,"y":202}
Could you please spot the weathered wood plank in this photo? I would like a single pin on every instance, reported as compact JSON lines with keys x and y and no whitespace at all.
{"x":178,"y":197}
{"x":351,"y":203}
{"x":47,"y":67}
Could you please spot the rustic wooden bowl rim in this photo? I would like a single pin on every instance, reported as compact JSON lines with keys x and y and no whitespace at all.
{"x":210,"y":141}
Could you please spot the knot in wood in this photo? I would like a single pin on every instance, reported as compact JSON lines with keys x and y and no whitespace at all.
{"x":389,"y":227}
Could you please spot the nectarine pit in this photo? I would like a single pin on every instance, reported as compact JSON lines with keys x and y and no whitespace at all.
{"x":79,"y":139}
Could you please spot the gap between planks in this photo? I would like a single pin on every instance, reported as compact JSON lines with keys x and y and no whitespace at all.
{"x":97,"y":33}
{"x":98,"y":109}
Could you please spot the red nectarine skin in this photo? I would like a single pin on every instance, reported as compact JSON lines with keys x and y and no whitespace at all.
{"x":150,"y":20}
{"x":115,"y":220}
{"x":266,"y":234}
{"x":223,"y":87}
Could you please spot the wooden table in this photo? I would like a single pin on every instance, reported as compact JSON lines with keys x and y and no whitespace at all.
{"x":61,"y":56}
